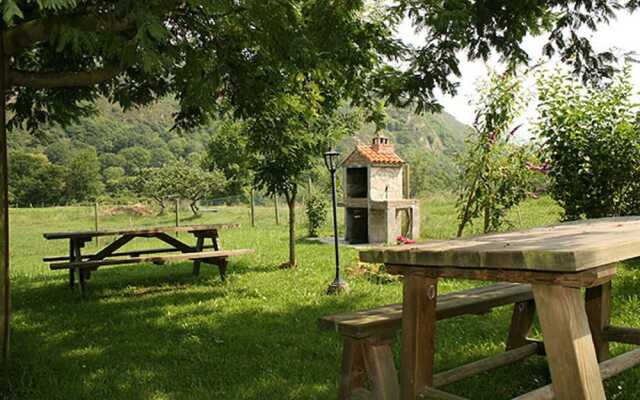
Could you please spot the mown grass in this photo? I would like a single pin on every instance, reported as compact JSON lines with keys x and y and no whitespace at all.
{"x":156,"y":332}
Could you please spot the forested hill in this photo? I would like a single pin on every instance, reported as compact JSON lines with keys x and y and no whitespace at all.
{"x":100,"y":156}
{"x":428,"y":142}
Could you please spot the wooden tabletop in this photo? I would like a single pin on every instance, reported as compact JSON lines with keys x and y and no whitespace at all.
{"x":568,"y":247}
{"x":141,"y":231}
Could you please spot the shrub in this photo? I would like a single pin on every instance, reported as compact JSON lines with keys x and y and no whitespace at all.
{"x":494,"y":171}
{"x":316,"y":209}
{"x":591,"y":137}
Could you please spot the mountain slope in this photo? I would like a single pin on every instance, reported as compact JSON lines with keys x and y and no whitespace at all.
{"x":120,"y":143}
{"x":429,"y":143}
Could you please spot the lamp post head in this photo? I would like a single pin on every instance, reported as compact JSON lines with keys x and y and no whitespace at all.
{"x":331,"y":160}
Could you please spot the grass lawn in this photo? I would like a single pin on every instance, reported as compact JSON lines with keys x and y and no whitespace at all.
{"x":156,"y":332}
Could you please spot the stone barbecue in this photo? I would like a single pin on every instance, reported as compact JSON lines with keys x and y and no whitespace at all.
{"x":376,"y":210}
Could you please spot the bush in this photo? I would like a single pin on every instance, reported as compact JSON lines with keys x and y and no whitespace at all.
{"x":316,"y":209}
{"x":591,"y":137}
{"x":494,"y":173}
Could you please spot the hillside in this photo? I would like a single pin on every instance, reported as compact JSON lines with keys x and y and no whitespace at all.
{"x":99,"y":156}
{"x":428,"y":142}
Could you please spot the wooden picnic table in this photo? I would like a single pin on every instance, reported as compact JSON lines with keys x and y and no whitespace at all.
{"x":558,"y":261}
{"x":82,"y":264}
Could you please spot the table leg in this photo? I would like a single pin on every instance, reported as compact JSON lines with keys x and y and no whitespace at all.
{"x":418,"y":334}
{"x":72,"y":278}
{"x":572,"y":358}
{"x":82,"y":276}
{"x":196,"y":263}
{"x":222,"y":263}
{"x":521,"y":322}
{"x":598,"y":305}
{"x":378,"y":359}
{"x":72,"y":272}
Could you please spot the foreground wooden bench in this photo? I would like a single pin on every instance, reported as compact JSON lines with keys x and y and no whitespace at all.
{"x":367,"y":357}
{"x":83,"y":264}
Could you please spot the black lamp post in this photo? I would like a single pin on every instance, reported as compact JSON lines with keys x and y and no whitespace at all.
{"x":331,"y":161}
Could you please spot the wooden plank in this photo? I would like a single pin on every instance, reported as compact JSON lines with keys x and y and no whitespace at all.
{"x":418,"y":334}
{"x":589,"y":278}
{"x":622,"y":335}
{"x":153,"y":259}
{"x":477,"y":367}
{"x":429,"y":393}
{"x":381,"y":370}
{"x":111,"y":247}
{"x":178,"y":244}
{"x":132,"y":253}
{"x":353,"y":373}
{"x":568,"y":247}
{"x":568,"y":343}
{"x":598,"y":307}
{"x":521,"y":322}
{"x":141,"y":231}
{"x":389,"y":318}
{"x":608,"y":369}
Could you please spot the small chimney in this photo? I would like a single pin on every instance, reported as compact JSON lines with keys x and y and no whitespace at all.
{"x":380,"y":144}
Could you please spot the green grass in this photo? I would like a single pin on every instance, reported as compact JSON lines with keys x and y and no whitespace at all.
{"x":156,"y":332}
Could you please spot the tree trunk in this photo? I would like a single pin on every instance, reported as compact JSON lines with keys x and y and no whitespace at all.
{"x":161,"y":205}
{"x":5,"y":305}
{"x":291,"y":202}
{"x":253,"y":207}
{"x":275,"y":202}
{"x":194,"y":208}
{"x":465,"y":217}
{"x":487,"y":219}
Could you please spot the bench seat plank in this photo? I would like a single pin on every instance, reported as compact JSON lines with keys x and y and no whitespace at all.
{"x":479,"y":300}
{"x":152,"y":259}
{"x":132,"y":253}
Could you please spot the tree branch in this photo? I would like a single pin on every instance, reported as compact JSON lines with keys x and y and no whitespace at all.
{"x":27,"y":34}
{"x":51,"y":80}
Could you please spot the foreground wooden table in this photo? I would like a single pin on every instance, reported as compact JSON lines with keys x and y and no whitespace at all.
{"x":558,"y":261}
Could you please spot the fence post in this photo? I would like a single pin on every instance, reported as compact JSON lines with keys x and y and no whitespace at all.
{"x":275,"y":202}
{"x":177,"y":214}
{"x":253,"y":207}
{"x":96,"y":221}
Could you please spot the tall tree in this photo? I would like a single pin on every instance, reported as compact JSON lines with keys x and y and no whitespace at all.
{"x":289,"y":137}
{"x":58,"y":56}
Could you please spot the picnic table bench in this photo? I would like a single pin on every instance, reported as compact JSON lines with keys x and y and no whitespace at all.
{"x":559,"y":262}
{"x":368,"y":334}
{"x":81,"y":265}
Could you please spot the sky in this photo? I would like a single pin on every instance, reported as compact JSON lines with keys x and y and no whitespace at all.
{"x":621,"y":34}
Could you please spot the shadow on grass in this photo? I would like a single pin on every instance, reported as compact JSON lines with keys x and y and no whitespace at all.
{"x":166,"y":335}
{"x":191,"y":341}
{"x":139,"y":274}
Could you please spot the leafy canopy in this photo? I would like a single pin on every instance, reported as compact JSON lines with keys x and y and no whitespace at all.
{"x":63,"y":54}
{"x":592,"y":140}
{"x":179,"y":180}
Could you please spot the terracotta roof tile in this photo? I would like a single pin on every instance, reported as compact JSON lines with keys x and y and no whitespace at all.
{"x":369,"y":154}
{"x":376,"y":157}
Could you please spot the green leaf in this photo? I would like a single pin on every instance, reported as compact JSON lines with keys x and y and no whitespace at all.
{"x":10,"y":10}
